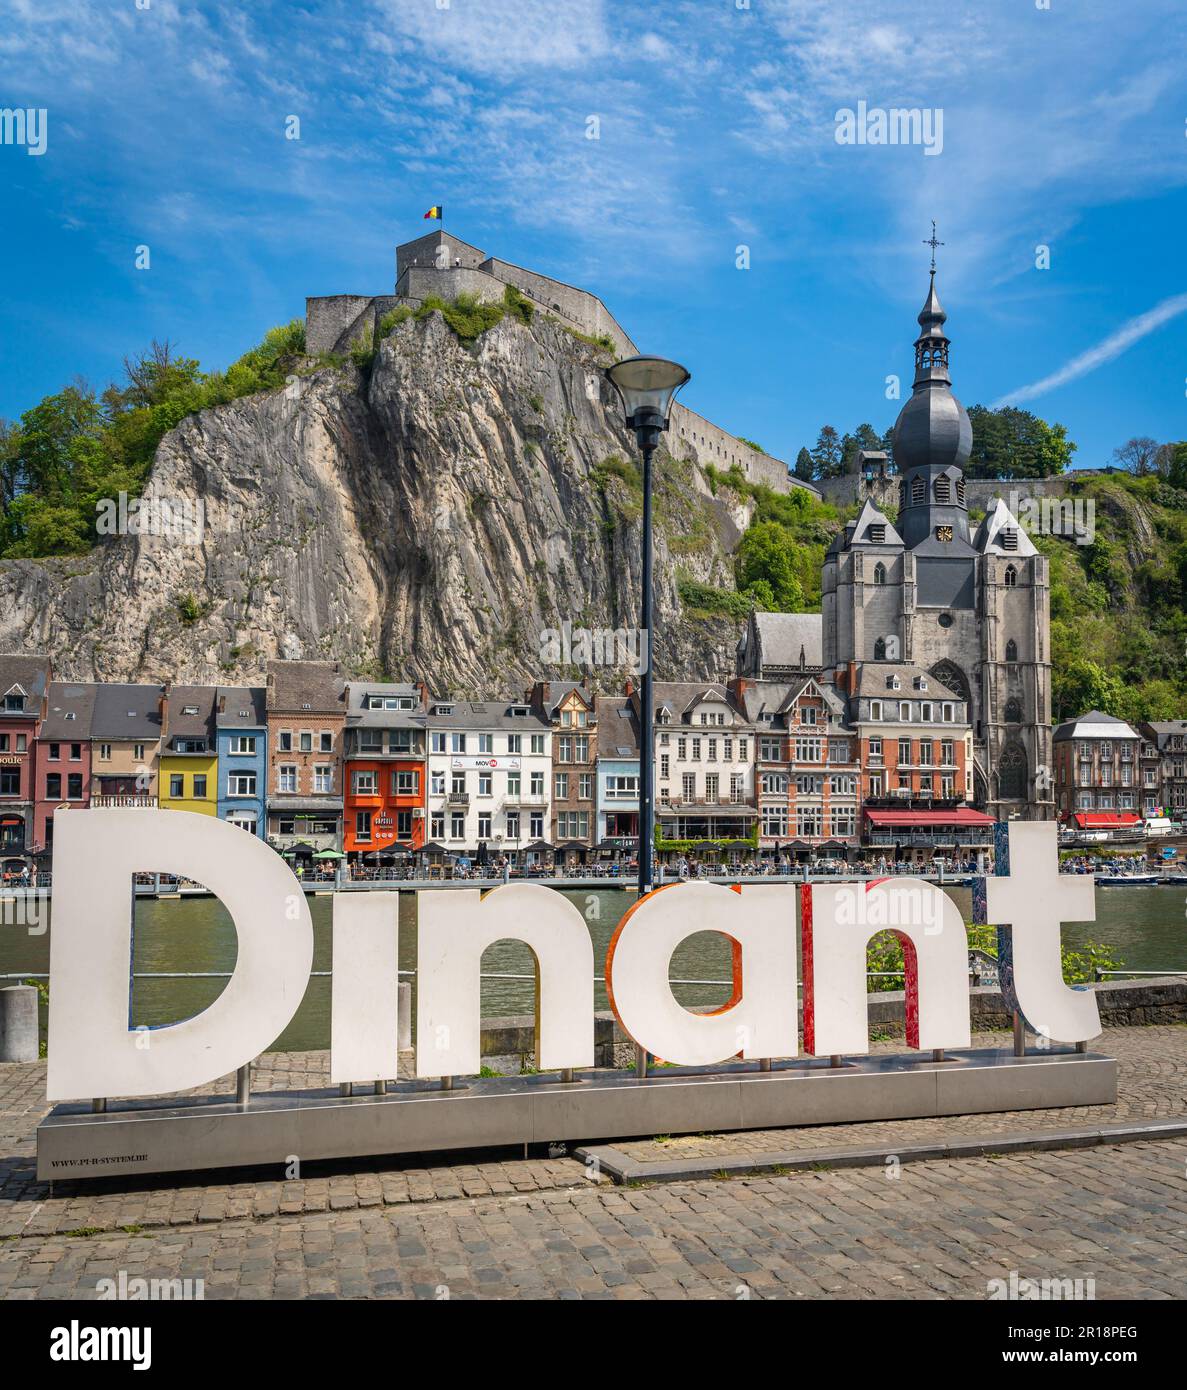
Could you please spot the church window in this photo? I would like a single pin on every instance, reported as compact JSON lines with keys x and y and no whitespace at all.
{"x":950,"y":675}
{"x":1011,"y":650}
{"x":918,"y":489}
{"x":943,"y":488}
{"x":1013,"y":711}
{"x":879,"y":573}
{"x":1011,"y":577}
{"x":880,"y":649}
{"x":1011,"y":772}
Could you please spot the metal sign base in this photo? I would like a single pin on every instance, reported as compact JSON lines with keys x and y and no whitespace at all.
{"x":200,"y":1132}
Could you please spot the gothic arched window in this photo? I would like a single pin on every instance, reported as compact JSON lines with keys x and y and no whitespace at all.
{"x":943,"y":488}
{"x":1011,"y":650}
{"x":1013,"y":710}
{"x":880,"y":649}
{"x":1011,"y":577}
{"x":949,"y":674}
{"x":879,"y":573}
{"x":1011,"y":772}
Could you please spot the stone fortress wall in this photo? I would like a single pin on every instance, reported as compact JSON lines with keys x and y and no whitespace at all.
{"x":979,"y":492}
{"x":442,"y":265}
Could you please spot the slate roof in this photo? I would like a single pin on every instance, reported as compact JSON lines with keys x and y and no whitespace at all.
{"x":183,"y":724}
{"x":781,"y":635}
{"x":487,"y":714}
{"x":306,"y":687}
{"x":873,"y":676}
{"x":66,"y":699}
{"x":31,"y":673}
{"x":127,"y":712}
{"x":241,"y":707}
{"x":618,"y":729}
{"x":1094,"y":724}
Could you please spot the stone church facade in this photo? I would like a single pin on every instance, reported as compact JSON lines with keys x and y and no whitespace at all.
{"x":971,"y":609}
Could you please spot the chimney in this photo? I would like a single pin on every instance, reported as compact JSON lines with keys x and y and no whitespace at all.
{"x":851,"y":679}
{"x":163,"y":708}
{"x":629,"y":688}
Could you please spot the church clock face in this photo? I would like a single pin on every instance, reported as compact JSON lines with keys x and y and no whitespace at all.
{"x":943,"y":533}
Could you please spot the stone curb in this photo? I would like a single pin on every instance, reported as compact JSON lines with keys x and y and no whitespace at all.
{"x":622,"y":1168}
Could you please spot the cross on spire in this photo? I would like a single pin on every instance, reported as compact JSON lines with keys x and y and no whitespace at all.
{"x":933,"y":243}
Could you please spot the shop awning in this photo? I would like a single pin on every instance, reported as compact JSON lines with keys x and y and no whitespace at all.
{"x":925,"y":820}
{"x":1106,"y":820}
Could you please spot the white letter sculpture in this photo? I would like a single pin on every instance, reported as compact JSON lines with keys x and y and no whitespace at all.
{"x":1033,"y":897}
{"x":364,"y":994}
{"x":836,"y":923}
{"x":453,"y":930}
{"x":758,"y":1021}
{"x":93,"y":1050}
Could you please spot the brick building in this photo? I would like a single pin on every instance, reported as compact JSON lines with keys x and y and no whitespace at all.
{"x":62,"y":770}
{"x":1098,"y":772}
{"x":24,"y":688}
{"x":306,"y":709}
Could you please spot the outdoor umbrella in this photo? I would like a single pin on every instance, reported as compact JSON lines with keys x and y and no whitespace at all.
{"x":329,"y":854}
{"x":483,"y":855}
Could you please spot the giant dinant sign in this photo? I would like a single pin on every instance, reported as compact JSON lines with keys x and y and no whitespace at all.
{"x":752,"y":1041}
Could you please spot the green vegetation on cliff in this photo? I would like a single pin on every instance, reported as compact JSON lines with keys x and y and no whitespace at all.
{"x":75,"y":448}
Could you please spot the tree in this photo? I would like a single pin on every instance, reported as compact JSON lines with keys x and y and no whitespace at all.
{"x":1176,"y":467}
{"x":1013,"y":443}
{"x":765,"y":565}
{"x":826,"y":456}
{"x":863,"y":437}
{"x":1137,"y":455}
{"x":804,"y":468}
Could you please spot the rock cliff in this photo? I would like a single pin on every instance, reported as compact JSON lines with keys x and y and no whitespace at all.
{"x":426,"y":517}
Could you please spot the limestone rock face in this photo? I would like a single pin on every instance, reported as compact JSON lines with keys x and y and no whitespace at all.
{"x":431,"y":518}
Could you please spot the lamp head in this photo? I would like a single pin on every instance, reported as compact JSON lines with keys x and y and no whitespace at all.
{"x":646,"y":386}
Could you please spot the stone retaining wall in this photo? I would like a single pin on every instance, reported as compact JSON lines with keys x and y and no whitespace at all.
{"x":508,"y":1044}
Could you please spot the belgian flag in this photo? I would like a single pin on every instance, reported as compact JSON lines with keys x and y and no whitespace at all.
{"x":437,"y":213}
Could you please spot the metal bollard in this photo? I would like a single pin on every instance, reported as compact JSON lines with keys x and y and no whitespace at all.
{"x":640,"y":1062}
{"x":404,"y":1016}
{"x":243,"y":1085}
{"x":381,"y":1088}
{"x":18,"y":1024}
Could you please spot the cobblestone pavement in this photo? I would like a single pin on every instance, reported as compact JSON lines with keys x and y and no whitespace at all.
{"x":1152,"y":1065}
{"x":508,"y":1226}
{"x":1115,"y":1215}
{"x":1151,"y":1084}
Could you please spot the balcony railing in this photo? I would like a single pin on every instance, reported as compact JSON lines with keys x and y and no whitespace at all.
{"x":457,"y":798}
{"x":124,"y":799}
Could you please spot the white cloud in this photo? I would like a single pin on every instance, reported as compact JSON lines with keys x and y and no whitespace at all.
{"x":1112,"y":346}
{"x":481,"y":36}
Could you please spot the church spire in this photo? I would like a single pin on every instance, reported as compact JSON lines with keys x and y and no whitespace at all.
{"x":932,"y":439}
{"x":931,"y":347}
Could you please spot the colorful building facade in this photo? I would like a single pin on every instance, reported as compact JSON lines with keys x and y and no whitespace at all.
{"x":385,"y":772}
{"x":188,"y":773}
{"x":241,"y":730}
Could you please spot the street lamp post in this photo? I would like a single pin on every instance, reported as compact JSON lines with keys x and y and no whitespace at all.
{"x":646,"y":386}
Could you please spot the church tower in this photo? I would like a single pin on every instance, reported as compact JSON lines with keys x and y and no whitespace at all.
{"x":973,"y":610}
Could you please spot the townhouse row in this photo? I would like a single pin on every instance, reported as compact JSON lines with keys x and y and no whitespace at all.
{"x":316,"y":763}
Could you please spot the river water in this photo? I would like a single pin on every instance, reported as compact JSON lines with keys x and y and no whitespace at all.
{"x":1144,"y":927}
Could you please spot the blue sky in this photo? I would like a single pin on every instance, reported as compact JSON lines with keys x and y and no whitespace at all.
{"x":1063,"y":127}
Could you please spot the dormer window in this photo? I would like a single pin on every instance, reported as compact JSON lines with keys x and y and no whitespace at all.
{"x":943,"y":488}
{"x":189,"y":709}
{"x":920,"y":683}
